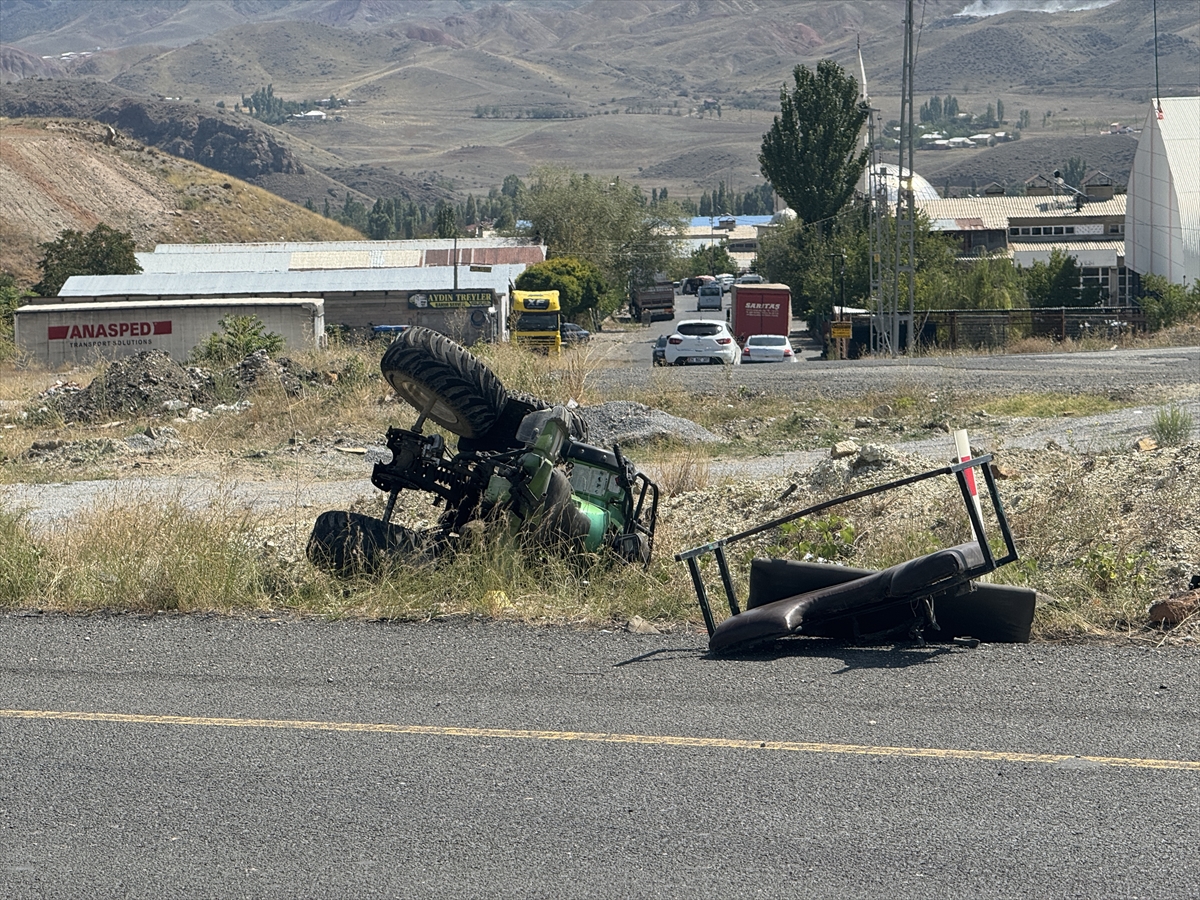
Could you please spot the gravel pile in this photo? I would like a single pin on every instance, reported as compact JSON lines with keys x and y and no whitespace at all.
{"x":150,"y":383}
{"x":258,"y":369}
{"x":136,"y":385}
{"x":627,"y":423}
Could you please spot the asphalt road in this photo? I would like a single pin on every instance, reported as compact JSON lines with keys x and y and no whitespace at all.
{"x":208,"y":757}
{"x":623,"y":363}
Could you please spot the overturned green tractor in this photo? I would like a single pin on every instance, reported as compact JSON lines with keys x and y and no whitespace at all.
{"x":519,"y":464}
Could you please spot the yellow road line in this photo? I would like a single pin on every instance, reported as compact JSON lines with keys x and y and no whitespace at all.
{"x":604,"y":738}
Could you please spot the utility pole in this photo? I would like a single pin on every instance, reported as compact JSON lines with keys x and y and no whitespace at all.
{"x":877,"y":234}
{"x":904,"y":262}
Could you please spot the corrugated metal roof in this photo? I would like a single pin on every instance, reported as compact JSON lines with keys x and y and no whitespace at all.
{"x":330,"y":259}
{"x":319,"y":281}
{"x":958,"y":225}
{"x":316,"y":302}
{"x":348,"y":255}
{"x":183,"y":263}
{"x":1066,"y":246}
{"x":334,"y":246}
{"x":995,"y":212}
{"x":395,"y":258}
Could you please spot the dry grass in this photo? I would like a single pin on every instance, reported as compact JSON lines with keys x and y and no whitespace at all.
{"x":144,"y":556}
{"x":151,"y":555}
{"x":679,"y":471}
{"x":556,"y":379}
{"x":1100,"y":536}
{"x":1095,"y":563}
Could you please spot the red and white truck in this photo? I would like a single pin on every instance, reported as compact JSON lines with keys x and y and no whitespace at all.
{"x":760,"y":309}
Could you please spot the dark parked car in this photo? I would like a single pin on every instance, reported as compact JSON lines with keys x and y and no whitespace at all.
{"x":659,"y":357}
{"x":573,"y":334}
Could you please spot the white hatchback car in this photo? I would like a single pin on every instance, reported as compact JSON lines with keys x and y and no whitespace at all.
{"x":768,"y":348}
{"x":702,"y":341}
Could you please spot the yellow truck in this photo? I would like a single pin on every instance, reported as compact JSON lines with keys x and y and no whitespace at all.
{"x":537,"y":321}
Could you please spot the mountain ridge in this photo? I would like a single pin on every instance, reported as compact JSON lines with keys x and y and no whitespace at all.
{"x":451,"y":97}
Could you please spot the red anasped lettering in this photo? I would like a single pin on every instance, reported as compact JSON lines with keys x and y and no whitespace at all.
{"x":109,"y":330}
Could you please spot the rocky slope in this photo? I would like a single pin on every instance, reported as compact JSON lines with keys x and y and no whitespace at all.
{"x":58,"y":174}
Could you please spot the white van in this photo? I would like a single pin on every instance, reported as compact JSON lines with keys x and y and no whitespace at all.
{"x":709,"y":296}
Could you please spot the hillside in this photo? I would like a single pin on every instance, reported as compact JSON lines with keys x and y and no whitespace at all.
{"x":58,"y":174}
{"x":450,"y":95}
{"x":233,"y":143}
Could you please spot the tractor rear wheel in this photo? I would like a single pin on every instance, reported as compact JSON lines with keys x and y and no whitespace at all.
{"x":348,"y":543}
{"x":443,"y":381}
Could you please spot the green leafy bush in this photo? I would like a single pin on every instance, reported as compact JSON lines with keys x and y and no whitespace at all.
{"x":239,"y":337}
{"x":10,"y":299}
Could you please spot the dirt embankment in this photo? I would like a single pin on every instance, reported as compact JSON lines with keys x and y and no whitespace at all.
{"x":59,"y":174}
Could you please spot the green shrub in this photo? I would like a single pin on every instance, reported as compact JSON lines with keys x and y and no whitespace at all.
{"x":239,"y":337}
{"x":10,"y":299}
{"x":1172,"y":426}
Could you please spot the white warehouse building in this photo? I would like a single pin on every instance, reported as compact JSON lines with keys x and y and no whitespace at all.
{"x":1162,"y":213}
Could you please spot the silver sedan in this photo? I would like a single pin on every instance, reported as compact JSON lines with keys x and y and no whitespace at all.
{"x":768,"y":348}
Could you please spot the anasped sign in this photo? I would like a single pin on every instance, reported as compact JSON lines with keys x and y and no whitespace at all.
{"x":108,"y":334}
{"x":66,"y":332}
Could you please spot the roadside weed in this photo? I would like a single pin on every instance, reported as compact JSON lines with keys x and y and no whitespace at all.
{"x":1172,"y":426}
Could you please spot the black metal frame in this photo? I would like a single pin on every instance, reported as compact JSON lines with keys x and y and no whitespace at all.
{"x":420,"y":462}
{"x":958,"y":470}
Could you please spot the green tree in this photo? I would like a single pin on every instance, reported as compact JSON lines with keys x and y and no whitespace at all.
{"x":812,"y":153}
{"x":10,"y":298}
{"x":512,"y":187}
{"x":1000,"y":111}
{"x":353,"y":214}
{"x":579,"y":283}
{"x":799,"y":255}
{"x":102,"y":251}
{"x":444,"y":224}
{"x":1074,"y":170}
{"x":607,"y":223}
{"x":711,"y":260}
{"x":380,"y":225}
{"x":1166,"y":303}
{"x":1056,"y":283}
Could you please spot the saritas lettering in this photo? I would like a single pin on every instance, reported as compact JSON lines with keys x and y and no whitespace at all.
{"x":106,"y":330}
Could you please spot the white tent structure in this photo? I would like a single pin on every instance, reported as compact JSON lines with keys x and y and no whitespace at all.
{"x":889,"y":175}
{"x":1162,"y":213}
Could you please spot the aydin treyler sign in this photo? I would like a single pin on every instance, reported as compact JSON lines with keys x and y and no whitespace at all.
{"x":451,"y":299}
